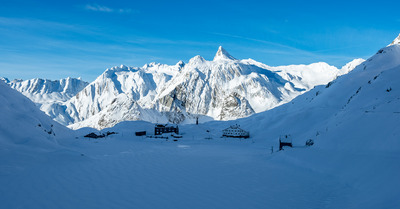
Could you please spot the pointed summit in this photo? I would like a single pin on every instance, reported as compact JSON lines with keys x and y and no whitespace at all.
{"x":395,"y":41}
{"x":223,"y":54}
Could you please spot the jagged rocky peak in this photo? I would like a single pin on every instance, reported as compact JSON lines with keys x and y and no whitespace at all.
{"x":180,"y":64}
{"x":4,"y":79}
{"x":197,"y":59}
{"x":109,"y":72}
{"x":395,"y":41}
{"x":222,"y":54}
{"x":124,"y":67}
{"x":151,"y":64}
{"x":119,"y":68}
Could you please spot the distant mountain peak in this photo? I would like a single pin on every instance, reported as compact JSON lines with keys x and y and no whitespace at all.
{"x":4,"y":79}
{"x":47,"y":91}
{"x":197,"y":59}
{"x":180,"y":64}
{"x":395,"y":41}
{"x":223,"y":54}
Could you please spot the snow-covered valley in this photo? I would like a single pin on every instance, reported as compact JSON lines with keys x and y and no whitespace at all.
{"x":353,"y":121}
{"x":126,"y":172}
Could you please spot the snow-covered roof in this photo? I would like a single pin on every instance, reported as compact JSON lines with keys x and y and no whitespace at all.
{"x":234,"y":127}
{"x":165,"y":125}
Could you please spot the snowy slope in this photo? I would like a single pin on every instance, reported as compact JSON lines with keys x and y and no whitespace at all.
{"x":48,"y":94}
{"x":222,"y":89}
{"x":24,"y":124}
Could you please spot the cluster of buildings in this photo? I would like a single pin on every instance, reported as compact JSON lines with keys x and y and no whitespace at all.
{"x":233,"y":131}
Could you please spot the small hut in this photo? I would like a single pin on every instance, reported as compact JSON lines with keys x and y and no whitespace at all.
{"x":285,"y":140}
{"x":140,"y":133}
{"x":159,"y":129}
{"x":235,"y":132}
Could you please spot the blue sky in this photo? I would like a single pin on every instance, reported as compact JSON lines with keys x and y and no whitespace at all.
{"x":51,"y":39}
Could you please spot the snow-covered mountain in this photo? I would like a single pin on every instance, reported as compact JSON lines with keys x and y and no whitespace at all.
{"x":222,"y":89}
{"x":47,"y":94}
{"x":23,"y":123}
{"x":364,"y":102}
{"x":42,"y":91}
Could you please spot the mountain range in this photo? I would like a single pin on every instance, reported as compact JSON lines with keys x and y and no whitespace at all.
{"x":222,"y":89}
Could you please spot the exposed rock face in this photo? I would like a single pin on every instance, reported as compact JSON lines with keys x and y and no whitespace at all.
{"x":395,"y":41}
{"x":235,"y":106}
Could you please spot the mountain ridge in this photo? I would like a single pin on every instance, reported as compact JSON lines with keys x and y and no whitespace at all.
{"x":44,"y":90}
{"x":222,"y":89}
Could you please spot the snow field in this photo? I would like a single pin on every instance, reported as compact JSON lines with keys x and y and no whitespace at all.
{"x":126,"y":172}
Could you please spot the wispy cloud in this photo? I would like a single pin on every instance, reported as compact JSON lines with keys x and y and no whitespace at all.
{"x":33,"y":23}
{"x":102,"y":8}
{"x":98,"y":8}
